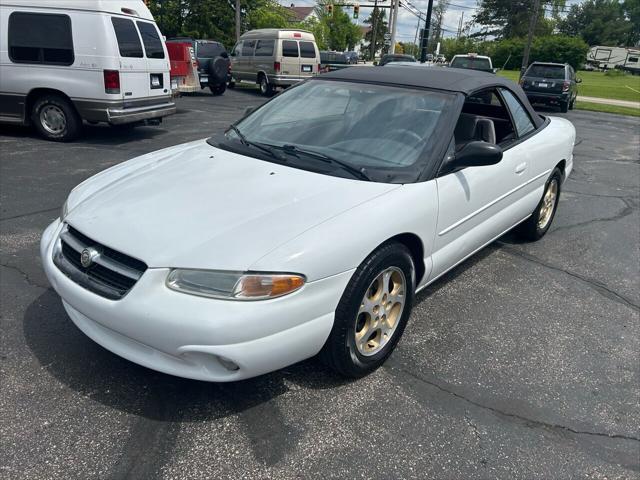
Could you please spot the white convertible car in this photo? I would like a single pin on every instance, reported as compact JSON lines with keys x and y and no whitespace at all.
{"x":308,"y":227}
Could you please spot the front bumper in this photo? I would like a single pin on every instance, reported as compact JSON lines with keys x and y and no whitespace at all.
{"x":195,"y":337}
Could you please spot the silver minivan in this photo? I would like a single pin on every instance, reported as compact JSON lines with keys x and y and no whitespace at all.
{"x":274,"y":58}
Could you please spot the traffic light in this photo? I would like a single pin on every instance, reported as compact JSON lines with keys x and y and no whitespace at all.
{"x":330,"y":9}
{"x":356,"y":10}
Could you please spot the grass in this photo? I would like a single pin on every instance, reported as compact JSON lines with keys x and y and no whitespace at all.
{"x":598,"y":107}
{"x":616,"y":86}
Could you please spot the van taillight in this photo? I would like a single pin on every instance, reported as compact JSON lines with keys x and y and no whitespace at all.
{"x":111,"y":81}
{"x":276,"y":66}
{"x":565,"y":86}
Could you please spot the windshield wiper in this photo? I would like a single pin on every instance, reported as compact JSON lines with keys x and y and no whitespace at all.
{"x":295,"y":150}
{"x":243,"y":140}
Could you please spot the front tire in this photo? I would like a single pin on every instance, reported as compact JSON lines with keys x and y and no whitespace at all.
{"x":537,"y":225}
{"x":372,"y":313}
{"x":55,"y":118}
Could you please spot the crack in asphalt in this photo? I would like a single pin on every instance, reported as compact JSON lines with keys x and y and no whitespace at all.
{"x":25,"y":275}
{"x":624,"y":212}
{"x":22,"y":215}
{"x":599,"y":287}
{"x":539,"y":423}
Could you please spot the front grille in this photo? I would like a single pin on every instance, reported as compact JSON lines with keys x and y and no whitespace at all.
{"x":111,"y":274}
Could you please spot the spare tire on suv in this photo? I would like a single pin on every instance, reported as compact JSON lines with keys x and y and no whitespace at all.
{"x":218,"y":69}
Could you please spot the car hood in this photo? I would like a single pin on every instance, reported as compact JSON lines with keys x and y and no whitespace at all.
{"x":196,"y":206}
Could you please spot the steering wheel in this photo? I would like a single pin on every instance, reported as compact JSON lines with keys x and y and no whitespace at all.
{"x":404,"y":133}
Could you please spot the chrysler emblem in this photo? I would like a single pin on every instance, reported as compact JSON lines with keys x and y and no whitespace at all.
{"x":87,"y":256}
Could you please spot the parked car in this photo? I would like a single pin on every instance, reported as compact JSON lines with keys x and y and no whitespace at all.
{"x":551,"y":84}
{"x":98,"y":60}
{"x":473,"y":61}
{"x":430,"y":57}
{"x":274,"y":58}
{"x":440,"y":58}
{"x":353,"y":57}
{"x":307,"y":228}
{"x":330,"y":61}
{"x":395,"y":57}
{"x":212,"y":61}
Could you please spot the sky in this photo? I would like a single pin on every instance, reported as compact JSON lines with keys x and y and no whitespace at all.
{"x":407,"y":22}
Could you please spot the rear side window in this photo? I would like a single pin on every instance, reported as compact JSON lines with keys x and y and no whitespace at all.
{"x":247,"y":48}
{"x":521,"y":118}
{"x":265,"y":48}
{"x":40,"y":38}
{"x":151,"y":40}
{"x":209,"y":50}
{"x":127,"y":36}
{"x":289,"y":48}
{"x":307,"y":50}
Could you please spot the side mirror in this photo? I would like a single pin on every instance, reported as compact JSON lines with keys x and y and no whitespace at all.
{"x":250,"y":109}
{"x":578,"y":80}
{"x":477,"y":154}
{"x":496,"y":70}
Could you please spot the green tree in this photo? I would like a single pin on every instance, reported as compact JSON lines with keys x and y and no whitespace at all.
{"x":437,"y":23}
{"x":510,"y":18}
{"x":269,"y":15}
{"x":338,"y":31}
{"x":603,"y":22}
{"x":377,"y":18}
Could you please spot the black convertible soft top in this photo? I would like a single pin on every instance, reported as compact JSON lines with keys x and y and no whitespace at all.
{"x":447,"y":79}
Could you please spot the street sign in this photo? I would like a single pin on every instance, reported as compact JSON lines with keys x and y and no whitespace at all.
{"x":387,"y":36}
{"x":387,"y":42}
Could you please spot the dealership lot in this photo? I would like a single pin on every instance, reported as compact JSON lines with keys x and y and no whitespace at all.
{"x":521,"y":363}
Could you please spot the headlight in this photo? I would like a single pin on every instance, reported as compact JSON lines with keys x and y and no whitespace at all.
{"x":234,"y":285}
{"x":63,"y":211}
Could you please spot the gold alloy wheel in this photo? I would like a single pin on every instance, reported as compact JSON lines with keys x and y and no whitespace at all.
{"x":548,"y":204}
{"x":380,"y":311}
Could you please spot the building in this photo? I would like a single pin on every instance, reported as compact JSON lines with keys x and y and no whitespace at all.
{"x":301,"y":14}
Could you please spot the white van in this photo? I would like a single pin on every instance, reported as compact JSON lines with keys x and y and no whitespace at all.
{"x":65,"y":61}
{"x":274,"y":58}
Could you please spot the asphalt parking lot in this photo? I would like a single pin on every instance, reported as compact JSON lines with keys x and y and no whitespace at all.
{"x":521,"y":363}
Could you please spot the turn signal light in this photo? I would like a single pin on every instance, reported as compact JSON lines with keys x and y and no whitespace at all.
{"x":111,"y":81}
{"x":263,"y":286}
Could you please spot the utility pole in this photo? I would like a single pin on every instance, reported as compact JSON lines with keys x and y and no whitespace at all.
{"x":425,"y":33}
{"x":460,"y":26}
{"x":374,"y":30}
{"x":532,"y":28}
{"x":393,"y":27}
{"x":238,"y":12}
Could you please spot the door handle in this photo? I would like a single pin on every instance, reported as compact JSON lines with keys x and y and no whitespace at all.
{"x":521,"y":168}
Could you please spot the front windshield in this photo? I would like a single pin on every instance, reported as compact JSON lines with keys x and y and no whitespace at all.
{"x":372,"y":127}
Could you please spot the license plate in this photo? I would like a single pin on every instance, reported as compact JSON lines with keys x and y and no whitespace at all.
{"x":307,"y":68}
{"x":155,"y":81}
{"x":204,"y":79}
{"x":174,"y":84}
{"x":543,"y":85}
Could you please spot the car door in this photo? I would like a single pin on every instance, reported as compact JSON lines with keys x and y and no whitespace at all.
{"x":290,"y":63}
{"x":248,"y":70}
{"x":156,"y":59}
{"x":134,"y":76}
{"x":478,"y":204}
{"x":236,"y":61}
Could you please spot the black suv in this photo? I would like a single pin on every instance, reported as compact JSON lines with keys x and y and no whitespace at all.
{"x":213,"y":63}
{"x":551,"y":84}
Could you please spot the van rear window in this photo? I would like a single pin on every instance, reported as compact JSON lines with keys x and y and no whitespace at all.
{"x":307,"y":50}
{"x":290,"y":48}
{"x":40,"y":38}
{"x":127,"y":36}
{"x":151,"y":40}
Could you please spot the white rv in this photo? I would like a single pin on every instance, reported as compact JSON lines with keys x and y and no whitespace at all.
{"x":605,"y":58}
{"x":67,"y":61}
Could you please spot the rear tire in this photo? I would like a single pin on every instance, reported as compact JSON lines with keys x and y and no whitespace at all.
{"x":537,"y":225}
{"x":266,"y":89}
{"x":218,"y":89}
{"x":55,"y":118}
{"x":372,"y":313}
